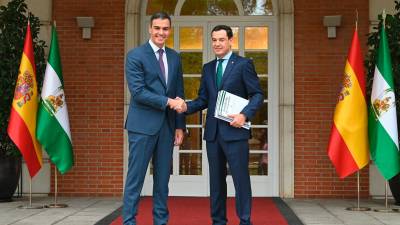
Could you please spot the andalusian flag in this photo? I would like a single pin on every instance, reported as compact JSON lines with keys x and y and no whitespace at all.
{"x":348,"y":144}
{"x":53,"y":124}
{"x":22,"y":123}
{"x":382,"y":114}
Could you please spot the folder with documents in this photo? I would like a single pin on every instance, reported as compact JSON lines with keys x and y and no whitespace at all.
{"x":228,"y":104}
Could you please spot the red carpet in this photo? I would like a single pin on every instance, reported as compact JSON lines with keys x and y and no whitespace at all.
{"x":195,"y":211}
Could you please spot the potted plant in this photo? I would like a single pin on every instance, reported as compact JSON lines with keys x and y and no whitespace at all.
{"x":13,"y":22}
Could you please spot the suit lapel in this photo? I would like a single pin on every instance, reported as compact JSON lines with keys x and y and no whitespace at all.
{"x":171,"y":76}
{"x":229,"y":66}
{"x":153,"y":60}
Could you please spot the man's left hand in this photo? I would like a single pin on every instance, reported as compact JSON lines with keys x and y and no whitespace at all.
{"x":238,"y":120}
{"x":178,"y":137}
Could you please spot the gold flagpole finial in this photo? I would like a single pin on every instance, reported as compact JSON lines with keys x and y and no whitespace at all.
{"x":384,"y":17}
{"x":28,"y":16}
{"x":356,"y":19}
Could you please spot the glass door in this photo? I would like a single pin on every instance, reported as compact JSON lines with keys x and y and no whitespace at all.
{"x":189,"y":174}
{"x":190,"y":161}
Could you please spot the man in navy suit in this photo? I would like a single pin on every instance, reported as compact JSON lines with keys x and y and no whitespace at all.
{"x":227,"y":142}
{"x":154,"y":77}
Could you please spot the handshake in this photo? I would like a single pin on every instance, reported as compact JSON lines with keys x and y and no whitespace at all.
{"x":177,"y":104}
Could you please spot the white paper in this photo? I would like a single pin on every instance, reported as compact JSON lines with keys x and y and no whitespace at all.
{"x":228,"y":104}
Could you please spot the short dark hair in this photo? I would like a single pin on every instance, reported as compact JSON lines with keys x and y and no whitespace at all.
{"x":160,"y":15}
{"x":228,"y":30}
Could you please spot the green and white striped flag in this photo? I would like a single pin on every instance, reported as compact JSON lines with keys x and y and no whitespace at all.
{"x":382,"y":121}
{"x":52,"y":130}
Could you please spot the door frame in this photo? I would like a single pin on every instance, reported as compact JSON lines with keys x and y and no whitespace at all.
{"x":284,"y":12}
{"x":198,"y":185}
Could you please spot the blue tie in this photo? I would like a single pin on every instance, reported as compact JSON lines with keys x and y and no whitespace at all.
{"x":219,"y":72}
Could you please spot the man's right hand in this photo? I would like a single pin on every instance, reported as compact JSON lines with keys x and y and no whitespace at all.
{"x":183,"y":107}
{"x":177,"y":104}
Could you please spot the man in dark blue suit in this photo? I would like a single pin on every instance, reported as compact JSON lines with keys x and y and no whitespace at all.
{"x":227,"y":142}
{"x":154,"y":77}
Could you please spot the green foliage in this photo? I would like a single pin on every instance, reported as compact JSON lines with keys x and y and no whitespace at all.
{"x":393,"y":34}
{"x":260,"y":60}
{"x":13,"y":23}
{"x":192,"y":62}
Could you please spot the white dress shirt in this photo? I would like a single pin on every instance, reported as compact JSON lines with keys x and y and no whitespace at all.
{"x":224,"y":63}
{"x":155,"y":50}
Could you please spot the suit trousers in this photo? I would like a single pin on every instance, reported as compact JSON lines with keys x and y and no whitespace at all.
{"x":142,"y":148}
{"x":236,"y":153}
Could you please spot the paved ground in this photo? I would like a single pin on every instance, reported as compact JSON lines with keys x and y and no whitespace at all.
{"x":81,"y":211}
{"x":87,"y":211}
{"x":332,"y":212}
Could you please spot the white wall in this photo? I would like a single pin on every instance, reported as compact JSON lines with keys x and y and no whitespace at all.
{"x":377,"y":6}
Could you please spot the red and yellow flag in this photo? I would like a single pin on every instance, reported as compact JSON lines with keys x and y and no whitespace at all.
{"x":22,"y":124}
{"x":348,"y":144}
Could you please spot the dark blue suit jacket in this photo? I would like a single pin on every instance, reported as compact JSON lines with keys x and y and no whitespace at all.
{"x":240,"y":78}
{"x":149,"y":92}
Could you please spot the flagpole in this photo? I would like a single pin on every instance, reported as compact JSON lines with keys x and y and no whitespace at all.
{"x":358,"y":208}
{"x":62,"y":157}
{"x":386,"y":197}
{"x":386,"y":209}
{"x":55,"y":204}
{"x":30,"y":206}
{"x":30,"y":192}
{"x":358,"y":189}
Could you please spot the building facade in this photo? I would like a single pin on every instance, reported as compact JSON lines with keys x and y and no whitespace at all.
{"x":299,"y":67}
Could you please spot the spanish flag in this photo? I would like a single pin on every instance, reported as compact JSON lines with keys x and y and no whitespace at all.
{"x":348,"y":144}
{"x":22,"y":123}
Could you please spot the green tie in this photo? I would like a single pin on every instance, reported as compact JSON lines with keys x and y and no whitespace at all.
{"x":219,"y":72}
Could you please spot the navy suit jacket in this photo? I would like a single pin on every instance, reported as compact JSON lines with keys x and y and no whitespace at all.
{"x":239,"y":78}
{"x":149,"y":91}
